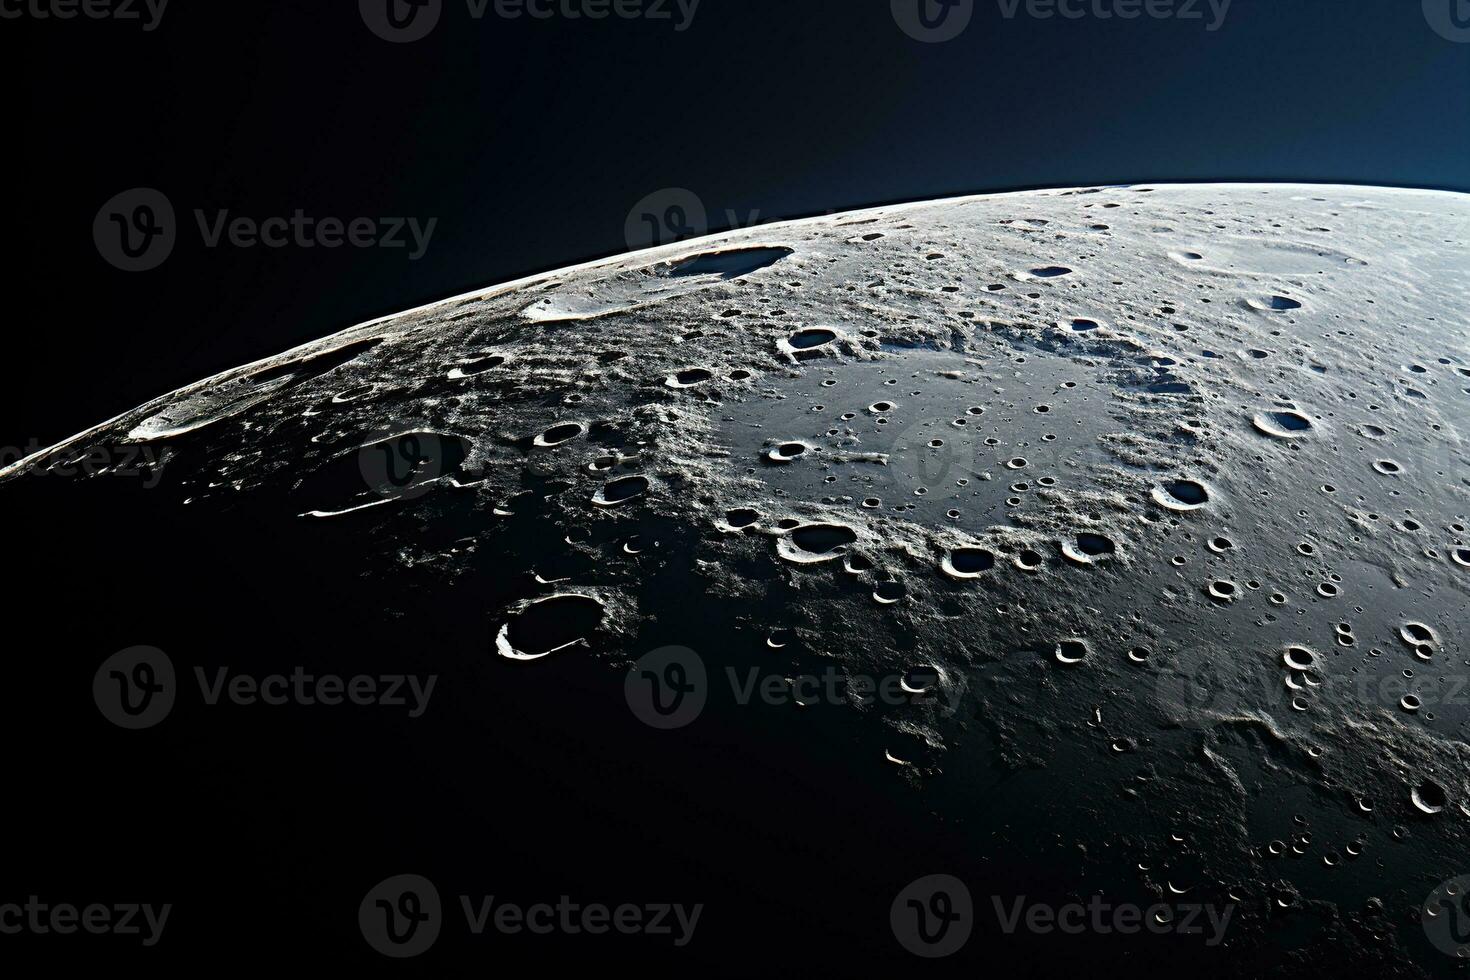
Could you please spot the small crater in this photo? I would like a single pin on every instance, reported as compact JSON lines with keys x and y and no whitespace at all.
{"x":689,"y":378}
{"x":1281,"y":425}
{"x":549,"y":626}
{"x":621,"y":491}
{"x":558,"y":434}
{"x":887,"y":593}
{"x":808,"y":339}
{"x":810,"y":543}
{"x":742,"y":517}
{"x":468,"y":369}
{"x":1222,"y":590}
{"x":1274,"y":304}
{"x":786,"y":452}
{"x":1071,"y":651}
{"x":1182,"y":495}
{"x":1429,"y":798}
{"x":1299,"y":658}
{"x":1086,"y":549}
{"x":966,"y":563}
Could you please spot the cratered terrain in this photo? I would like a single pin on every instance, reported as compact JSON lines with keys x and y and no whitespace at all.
{"x":1105,"y":542}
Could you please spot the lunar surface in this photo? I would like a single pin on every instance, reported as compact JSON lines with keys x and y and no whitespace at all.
{"x":1130,"y":522}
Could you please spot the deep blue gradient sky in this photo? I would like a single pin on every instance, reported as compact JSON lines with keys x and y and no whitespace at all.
{"x":529,"y":141}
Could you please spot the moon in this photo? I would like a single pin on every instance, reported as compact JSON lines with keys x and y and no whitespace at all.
{"x":1150,"y":500}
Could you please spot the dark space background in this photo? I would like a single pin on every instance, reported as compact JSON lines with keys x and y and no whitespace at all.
{"x":530,"y":141}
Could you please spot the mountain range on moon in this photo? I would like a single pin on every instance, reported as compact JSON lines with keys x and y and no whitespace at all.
{"x":1129,"y":521}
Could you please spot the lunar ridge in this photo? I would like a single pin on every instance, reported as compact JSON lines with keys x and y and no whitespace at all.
{"x":1155,"y":497}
